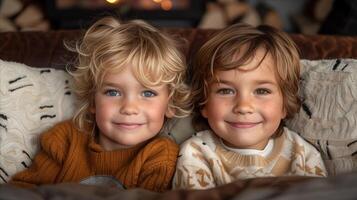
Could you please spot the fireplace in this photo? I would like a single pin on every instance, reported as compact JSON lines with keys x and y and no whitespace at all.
{"x":73,"y":14}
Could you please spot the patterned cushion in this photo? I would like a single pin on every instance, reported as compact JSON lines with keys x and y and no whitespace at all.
{"x":31,"y":101}
{"x":328,"y":116}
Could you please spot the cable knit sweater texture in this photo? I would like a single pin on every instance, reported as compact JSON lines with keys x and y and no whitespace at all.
{"x":68,"y":155}
{"x":205,"y":162}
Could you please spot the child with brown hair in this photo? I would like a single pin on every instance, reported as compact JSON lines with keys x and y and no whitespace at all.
{"x":245,"y":83}
{"x":129,"y":82}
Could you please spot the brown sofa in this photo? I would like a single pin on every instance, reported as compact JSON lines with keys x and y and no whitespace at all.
{"x":46,"y":49}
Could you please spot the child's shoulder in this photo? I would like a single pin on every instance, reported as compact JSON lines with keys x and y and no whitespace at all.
{"x":66,"y":124}
{"x":161,"y":142}
{"x":57,"y":140}
{"x":160,"y":149}
{"x":202,"y":138}
{"x":62,"y":132}
{"x":206,"y":135}
{"x":298,"y":140}
{"x":293,"y":136}
{"x":61,"y":128}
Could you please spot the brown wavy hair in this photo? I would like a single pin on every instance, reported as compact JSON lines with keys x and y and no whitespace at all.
{"x":233,"y":47}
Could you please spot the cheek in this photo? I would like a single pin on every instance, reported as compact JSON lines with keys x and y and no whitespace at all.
{"x":103,"y":108}
{"x":157,"y":112}
{"x":213,"y":109}
{"x":274,"y":110}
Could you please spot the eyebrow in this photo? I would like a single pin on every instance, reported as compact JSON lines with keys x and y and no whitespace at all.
{"x":110,"y":84}
{"x":116,"y":85}
{"x":258,"y":82}
{"x":262,"y":82}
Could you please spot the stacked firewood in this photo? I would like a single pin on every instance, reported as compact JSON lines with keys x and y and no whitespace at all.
{"x":22,"y":15}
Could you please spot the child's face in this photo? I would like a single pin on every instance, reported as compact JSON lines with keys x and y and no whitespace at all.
{"x":245,"y":108}
{"x":128,"y":113}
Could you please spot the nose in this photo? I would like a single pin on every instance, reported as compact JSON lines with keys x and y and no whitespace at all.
{"x":243,"y":105}
{"x":129,"y":106}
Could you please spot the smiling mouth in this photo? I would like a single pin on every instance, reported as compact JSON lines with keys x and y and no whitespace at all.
{"x":128,"y":125}
{"x":243,"y":124}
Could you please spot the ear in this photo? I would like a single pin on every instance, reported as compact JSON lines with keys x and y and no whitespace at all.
{"x":204,"y":112}
{"x":170,"y":113}
{"x":92,"y":107}
{"x":284,"y":113}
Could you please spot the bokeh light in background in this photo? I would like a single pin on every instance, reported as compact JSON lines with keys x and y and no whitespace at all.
{"x":137,"y":4}
{"x":113,"y":1}
{"x":166,"y":5}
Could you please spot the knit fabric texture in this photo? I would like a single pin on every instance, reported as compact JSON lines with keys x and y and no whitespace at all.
{"x":68,"y":155}
{"x":205,"y":162}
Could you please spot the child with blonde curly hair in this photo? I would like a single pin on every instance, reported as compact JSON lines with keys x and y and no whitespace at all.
{"x":245,"y":83}
{"x":129,"y":83}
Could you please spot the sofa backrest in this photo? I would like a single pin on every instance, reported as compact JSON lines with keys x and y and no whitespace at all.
{"x":46,"y":49}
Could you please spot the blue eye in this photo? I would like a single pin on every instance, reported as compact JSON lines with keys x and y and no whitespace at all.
{"x":225,"y":91}
{"x":112,"y":93}
{"x":148,"y":93}
{"x":262,"y":91}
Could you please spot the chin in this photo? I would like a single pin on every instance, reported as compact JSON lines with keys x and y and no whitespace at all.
{"x":130,"y":143}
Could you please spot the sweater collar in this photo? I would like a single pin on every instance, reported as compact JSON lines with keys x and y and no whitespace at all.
{"x":97,"y":148}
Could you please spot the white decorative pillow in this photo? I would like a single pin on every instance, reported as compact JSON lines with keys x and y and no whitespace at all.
{"x":328,"y":116}
{"x":31,"y":101}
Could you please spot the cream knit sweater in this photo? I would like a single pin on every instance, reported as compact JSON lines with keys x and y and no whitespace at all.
{"x":205,"y":162}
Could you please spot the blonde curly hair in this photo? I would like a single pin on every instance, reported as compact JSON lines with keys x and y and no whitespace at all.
{"x":108,"y":45}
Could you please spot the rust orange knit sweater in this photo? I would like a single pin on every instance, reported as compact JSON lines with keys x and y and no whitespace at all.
{"x":68,"y":155}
